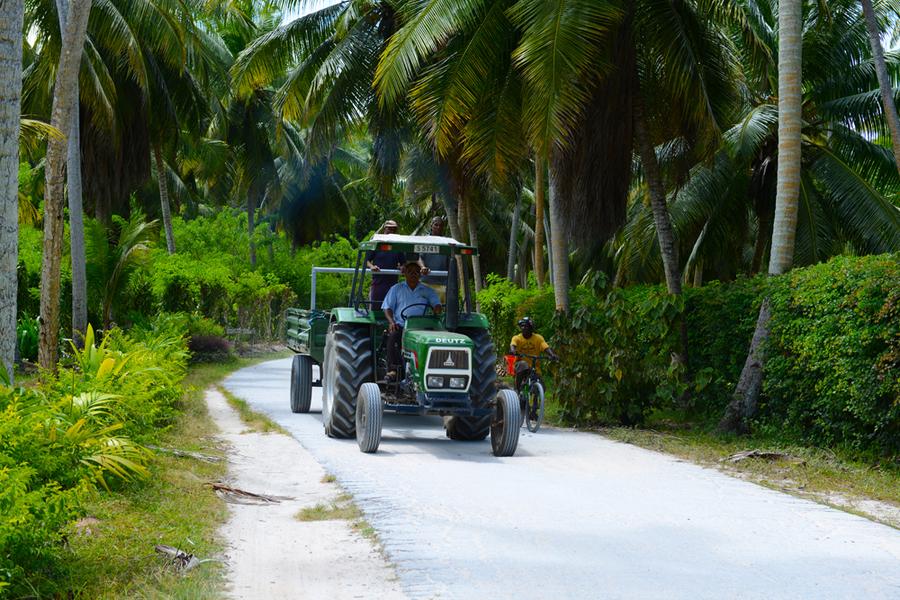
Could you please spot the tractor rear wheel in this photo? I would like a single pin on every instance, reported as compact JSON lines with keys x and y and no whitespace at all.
{"x":481,"y":391}
{"x":347,"y":365}
{"x":301,"y":383}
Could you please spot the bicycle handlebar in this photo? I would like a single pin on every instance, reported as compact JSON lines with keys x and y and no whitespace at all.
{"x":541,"y":357}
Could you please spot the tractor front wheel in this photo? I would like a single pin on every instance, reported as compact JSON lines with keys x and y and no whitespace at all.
{"x":505,"y":424}
{"x":369,"y":411}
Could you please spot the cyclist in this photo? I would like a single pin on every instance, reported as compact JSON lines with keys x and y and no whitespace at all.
{"x":531,"y":343}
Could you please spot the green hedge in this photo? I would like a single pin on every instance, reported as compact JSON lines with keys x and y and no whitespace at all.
{"x":80,"y":429}
{"x":833,"y":371}
{"x":833,"y":368}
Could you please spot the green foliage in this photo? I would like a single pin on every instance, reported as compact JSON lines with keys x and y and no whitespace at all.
{"x":833,"y":368}
{"x":505,"y":303}
{"x":27,"y":330}
{"x":618,"y":356}
{"x":833,"y":360}
{"x":81,"y":428}
{"x":720,"y":323}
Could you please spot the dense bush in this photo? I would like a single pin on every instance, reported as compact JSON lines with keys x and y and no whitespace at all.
{"x":720,"y":322}
{"x":618,"y":356}
{"x":80,"y":429}
{"x":505,"y":303}
{"x":833,"y":371}
{"x":833,"y":368}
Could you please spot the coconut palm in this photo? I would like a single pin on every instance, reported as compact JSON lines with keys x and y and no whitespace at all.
{"x":11,"y":18}
{"x":790,"y":124}
{"x":723,"y":213}
{"x":62,"y":115}
{"x":884,"y":79}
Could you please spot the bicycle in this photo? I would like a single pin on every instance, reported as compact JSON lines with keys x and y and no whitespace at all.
{"x":531,"y":394}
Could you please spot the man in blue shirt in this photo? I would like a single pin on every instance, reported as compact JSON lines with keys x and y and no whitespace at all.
{"x":401,"y":296}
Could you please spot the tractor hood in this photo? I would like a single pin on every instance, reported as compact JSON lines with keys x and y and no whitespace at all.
{"x":415,"y":339}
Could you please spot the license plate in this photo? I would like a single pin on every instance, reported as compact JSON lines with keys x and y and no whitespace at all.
{"x":425,"y":249}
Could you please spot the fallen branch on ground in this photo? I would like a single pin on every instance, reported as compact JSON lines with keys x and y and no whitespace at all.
{"x":764,"y":455}
{"x":238,"y":496}
{"x":182,"y":560}
{"x":186,"y":454}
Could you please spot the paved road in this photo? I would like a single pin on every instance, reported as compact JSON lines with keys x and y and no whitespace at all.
{"x":574,"y":515}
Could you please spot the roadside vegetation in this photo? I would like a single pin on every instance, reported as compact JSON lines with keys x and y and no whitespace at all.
{"x":698,"y":202}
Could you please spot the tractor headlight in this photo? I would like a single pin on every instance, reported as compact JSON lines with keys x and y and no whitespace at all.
{"x":435,"y":381}
{"x":458,"y":383}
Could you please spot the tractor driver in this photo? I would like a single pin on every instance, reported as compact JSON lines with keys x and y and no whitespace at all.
{"x":403,"y":295}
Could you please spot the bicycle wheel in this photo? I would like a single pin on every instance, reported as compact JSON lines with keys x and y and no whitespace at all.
{"x":535,"y":415}
{"x":523,"y":403}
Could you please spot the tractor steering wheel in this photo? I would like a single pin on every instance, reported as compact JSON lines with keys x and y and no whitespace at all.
{"x":427,"y":306}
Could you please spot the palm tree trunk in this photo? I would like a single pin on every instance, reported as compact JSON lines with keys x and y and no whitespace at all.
{"x":76,"y":208}
{"x":76,"y":228}
{"x":548,"y":241}
{"x":539,"y":220}
{"x":251,"y":224}
{"x":164,"y":199}
{"x":884,"y":79}
{"x":61,"y":118}
{"x":745,"y":401}
{"x":473,"y":240}
{"x":11,"y":19}
{"x":664,"y":232}
{"x":559,"y":249}
{"x":513,"y":236}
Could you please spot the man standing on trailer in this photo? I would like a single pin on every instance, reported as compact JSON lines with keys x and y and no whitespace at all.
{"x":435,"y":262}
{"x":376,"y":260}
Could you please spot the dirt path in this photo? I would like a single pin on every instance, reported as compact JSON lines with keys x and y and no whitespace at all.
{"x":270,"y":553}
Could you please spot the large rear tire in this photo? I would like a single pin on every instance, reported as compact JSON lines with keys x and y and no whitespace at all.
{"x":347,"y":364}
{"x":369,"y":411}
{"x":505,"y":424}
{"x":482,"y":391}
{"x":301,"y":383}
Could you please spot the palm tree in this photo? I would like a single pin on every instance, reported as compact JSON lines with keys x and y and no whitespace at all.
{"x":64,"y":107}
{"x":11,"y":18}
{"x":111,"y":262}
{"x":76,"y":211}
{"x":790,"y":123}
{"x":722,"y":211}
{"x":884,"y":79}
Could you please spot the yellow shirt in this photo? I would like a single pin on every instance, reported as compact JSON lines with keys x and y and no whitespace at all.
{"x":535,"y":345}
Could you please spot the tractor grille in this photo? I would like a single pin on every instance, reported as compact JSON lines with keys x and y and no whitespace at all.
{"x":442,"y":359}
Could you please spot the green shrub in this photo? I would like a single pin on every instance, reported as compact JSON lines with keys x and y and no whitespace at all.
{"x":505,"y":303}
{"x":27,"y":334}
{"x":720,"y":322}
{"x":832,"y":373}
{"x":618,"y":356}
{"x":80,"y":429}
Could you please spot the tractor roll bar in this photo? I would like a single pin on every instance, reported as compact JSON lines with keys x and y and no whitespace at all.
{"x":350,"y":271}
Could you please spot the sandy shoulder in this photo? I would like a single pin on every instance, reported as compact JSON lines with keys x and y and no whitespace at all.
{"x":269,"y":553}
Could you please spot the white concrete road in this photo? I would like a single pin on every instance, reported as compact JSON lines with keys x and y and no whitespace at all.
{"x":574,"y":515}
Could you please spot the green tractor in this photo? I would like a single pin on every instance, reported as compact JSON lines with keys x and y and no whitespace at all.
{"x":448,"y":360}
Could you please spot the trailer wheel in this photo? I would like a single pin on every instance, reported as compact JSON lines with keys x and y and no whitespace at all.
{"x":301,"y":383}
{"x":505,"y":424}
{"x":347,"y":365}
{"x":481,"y":391}
{"x":369,"y":411}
